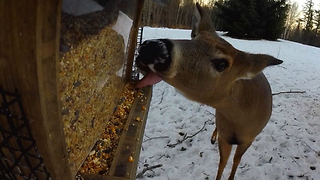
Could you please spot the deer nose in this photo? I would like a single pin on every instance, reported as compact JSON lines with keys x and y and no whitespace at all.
{"x":154,"y":52}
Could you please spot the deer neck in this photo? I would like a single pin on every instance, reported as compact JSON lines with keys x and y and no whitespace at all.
{"x":247,"y":96}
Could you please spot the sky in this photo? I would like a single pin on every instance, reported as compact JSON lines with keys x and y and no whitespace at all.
{"x":302,"y":2}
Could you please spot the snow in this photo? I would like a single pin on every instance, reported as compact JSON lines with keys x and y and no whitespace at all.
{"x":287,"y":148}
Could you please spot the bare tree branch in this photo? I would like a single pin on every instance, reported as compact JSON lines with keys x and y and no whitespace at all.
{"x":288,"y":92}
{"x":160,"y":137}
{"x":188,"y":137}
{"x":149,"y":168}
{"x":295,"y":161}
{"x":161,"y":97}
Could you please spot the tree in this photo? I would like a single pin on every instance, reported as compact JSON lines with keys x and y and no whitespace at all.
{"x":308,"y":15}
{"x":173,"y":14}
{"x":317,"y":21}
{"x":310,"y":26}
{"x":253,"y":18}
{"x":275,"y":19}
{"x":297,"y":32}
{"x":185,"y":14}
{"x":235,"y":18}
{"x":292,"y":17}
{"x":215,"y":13}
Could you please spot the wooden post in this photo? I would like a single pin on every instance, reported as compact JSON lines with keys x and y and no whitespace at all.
{"x":29,"y":56}
{"x":133,"y":38}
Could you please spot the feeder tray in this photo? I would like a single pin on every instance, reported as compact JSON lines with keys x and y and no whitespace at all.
{"x":124,"y":163}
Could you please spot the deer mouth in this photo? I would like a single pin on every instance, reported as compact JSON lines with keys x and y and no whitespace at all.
{"x":150,"y":77}
{"x":154,"y":58}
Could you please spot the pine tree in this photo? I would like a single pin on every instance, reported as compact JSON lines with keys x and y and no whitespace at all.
{"x":317,"y":21}
{"x":253,"y":18}
{"x":308,"y":15}
{"x":235,"y":18}
{"x":215,"y":14}
{"x":276,"y":18}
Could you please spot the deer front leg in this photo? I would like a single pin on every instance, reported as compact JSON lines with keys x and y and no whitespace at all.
{"x":214,"y":136}
{"x":224,"y":151}
{"x":241,"y":149}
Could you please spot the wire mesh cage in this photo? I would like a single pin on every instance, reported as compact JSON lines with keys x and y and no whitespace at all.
{"x":135,"y":72}
{"x":20,"y":158}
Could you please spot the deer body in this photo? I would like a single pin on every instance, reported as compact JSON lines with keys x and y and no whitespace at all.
{"x":245,"y":115}
{"x":209,"y":70}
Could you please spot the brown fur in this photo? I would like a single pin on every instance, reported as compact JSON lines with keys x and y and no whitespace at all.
{"x":240,"y":93}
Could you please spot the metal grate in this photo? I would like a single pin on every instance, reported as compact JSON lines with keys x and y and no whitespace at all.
{"x":135,"y":71}
{"x":19,"y":158}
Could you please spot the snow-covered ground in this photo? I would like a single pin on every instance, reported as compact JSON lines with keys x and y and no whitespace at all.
{"x":287,"y":148}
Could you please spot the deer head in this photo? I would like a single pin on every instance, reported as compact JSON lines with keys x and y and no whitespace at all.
{"x":203,"y":68}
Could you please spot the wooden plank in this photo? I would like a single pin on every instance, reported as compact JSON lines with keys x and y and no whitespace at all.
{"x":141,"y":104}
{"x":133,"y":38}
{"x":29,"y":52}
{"x":10,"y":33}
{"x":48,"y":88}
{"x":100,"y":177}
{"x":131,"y":139}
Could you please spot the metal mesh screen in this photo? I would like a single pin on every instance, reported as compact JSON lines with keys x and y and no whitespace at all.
{"x":135,"y":71}
{"x":19,"y":158}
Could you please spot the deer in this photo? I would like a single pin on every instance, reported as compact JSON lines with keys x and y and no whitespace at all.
{"x":209,"y":70}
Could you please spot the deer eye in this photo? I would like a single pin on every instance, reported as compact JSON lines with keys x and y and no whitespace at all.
{"x":220,"y":64}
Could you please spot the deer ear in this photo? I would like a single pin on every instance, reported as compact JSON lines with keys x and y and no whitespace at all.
{"x":253,"y":64}
{"x":203,"y":22}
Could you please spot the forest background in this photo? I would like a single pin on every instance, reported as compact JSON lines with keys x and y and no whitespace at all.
{"x":244,"y":19}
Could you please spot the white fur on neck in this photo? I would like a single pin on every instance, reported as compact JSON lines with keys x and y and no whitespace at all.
{"x":249,"y":75}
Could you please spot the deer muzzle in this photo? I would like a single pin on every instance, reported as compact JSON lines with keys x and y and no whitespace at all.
{"x":154,"y":58}
{"x":155,"y":55}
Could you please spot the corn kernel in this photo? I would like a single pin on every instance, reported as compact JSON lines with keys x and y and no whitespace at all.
{"x":131,"y":159}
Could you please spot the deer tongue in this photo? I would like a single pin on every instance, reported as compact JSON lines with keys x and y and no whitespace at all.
{"x":149,"y":79}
